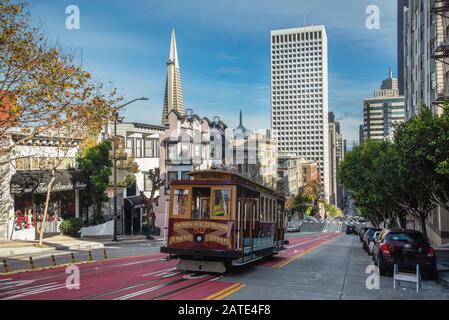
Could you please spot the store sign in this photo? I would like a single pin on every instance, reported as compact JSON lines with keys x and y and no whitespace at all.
{"x":43,"y":187}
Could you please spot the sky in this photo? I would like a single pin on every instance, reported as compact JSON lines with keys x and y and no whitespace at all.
{"x":223,"y":50}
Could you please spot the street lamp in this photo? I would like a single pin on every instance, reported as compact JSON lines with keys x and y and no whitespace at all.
{"x":115,"y":161}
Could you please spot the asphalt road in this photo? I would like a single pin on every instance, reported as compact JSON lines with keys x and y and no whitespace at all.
{"x":314,"y":265}
{"x":334,"y":271}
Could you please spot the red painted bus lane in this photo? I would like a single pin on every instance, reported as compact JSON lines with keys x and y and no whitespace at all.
{"x":140,"y":278}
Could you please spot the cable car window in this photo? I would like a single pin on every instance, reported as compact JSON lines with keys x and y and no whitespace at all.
{"x":262,"y":209}
{"x":221,"y":203}
{"x":181,"y":202}
{"x":201,"y":203}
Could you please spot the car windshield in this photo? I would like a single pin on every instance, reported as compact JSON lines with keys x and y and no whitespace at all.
{"x":406,"y":237}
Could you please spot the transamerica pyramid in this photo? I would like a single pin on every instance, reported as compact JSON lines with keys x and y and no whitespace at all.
{"x":173,"y":88}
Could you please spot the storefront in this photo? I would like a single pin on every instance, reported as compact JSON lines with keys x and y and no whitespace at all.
{"x":67,"y":199}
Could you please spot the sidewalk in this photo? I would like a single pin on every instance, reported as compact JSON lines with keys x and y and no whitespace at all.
{"x":13,"y":248}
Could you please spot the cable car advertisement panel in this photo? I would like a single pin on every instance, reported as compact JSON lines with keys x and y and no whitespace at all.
{"x":201,"y":234}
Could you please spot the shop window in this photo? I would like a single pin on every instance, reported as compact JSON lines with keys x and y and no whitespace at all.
{"x":221,"y":203}
{"x":180,"y":202}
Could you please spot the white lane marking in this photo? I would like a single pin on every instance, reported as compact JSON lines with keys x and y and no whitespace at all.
{"x":300,"y":244}
{"x":141,"y":292}
{"x":158,"y":272}
{"x":37,"y":291}
{"x":139,"y":262}
{"x":19,"y":290}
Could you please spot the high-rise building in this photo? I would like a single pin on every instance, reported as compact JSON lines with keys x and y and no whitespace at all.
{"x":361,"y":133}
{"x":400,"y":48}
{"x":299,"y":94}
{"x":426,"y":76}
{"x":332,"y":159}
{"x":425,"y":49}
{"x":173,"y":99}
{"x":383,"y":111}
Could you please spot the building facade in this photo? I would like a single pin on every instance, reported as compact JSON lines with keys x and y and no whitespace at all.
{"x":289,"y":174}
{"x":426,"y":75}
{"x":253,"y":154}
{"x":141,"y":142}
{"x":333,"y":131}
{"x":189,"y":143}
{"x":299,"y":94}
{"x":425,"y":50}
{"x":31,"y":166}
{"x":383,"y":111}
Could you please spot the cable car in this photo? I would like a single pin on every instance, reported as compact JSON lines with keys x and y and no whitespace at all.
{"x":220,"y":219}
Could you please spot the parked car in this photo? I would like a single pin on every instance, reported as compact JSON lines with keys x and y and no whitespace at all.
{"x":406,"y":248}
{"x":350,"y":229}
{"x":362,"y":219}
{"x":362,"y":231}
{"x":372,"y":243}
{"x":368,"y":237}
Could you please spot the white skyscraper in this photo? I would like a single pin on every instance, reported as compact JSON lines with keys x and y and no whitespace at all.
{"x":299,"y":94}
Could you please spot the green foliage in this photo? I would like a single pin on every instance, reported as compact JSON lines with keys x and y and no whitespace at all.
{"x":409,"y":176}
{"x":302,"y":204}
{"x":333,"y":211}
{"x":71,"y":226}
{"x":97,"y":164}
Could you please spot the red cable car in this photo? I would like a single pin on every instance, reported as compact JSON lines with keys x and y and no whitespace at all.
{"x":220,"y":219}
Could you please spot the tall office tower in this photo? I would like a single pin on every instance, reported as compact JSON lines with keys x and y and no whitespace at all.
{"x":426,"y":72}
{"x":299,"y":94}
{"x":361,"y":133}
{"x":173,"y":88}
{"x":383,"y":111}
{"x":400,"y":40}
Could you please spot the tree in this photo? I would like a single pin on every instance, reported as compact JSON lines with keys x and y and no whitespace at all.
{"x":414,"y":142}
{"x":154,"y":176}
{"x":369,"y":172}
{"x":97,"y":164}
{"x":304,"y":204}
{"x":332,"y":211}
{"x":44,"y":91}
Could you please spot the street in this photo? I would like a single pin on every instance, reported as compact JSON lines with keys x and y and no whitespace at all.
{"x":314,"y":265}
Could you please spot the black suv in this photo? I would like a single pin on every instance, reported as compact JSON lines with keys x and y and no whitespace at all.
{"x":350,"y":229}
{"x":406,"y":248}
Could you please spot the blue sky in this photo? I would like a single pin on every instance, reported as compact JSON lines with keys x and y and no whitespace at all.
{"x":223,"y":48}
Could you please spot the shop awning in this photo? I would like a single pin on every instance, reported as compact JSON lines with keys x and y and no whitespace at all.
{"x":37,"y":181}
{"x":136,"y":202}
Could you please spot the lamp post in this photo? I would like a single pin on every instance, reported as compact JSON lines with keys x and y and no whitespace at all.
{"x":114,"y":149}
